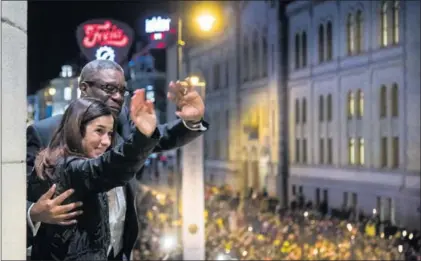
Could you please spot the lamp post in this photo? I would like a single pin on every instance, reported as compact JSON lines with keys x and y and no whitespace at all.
{"x":190,"y":167}
{"x":192,"y":194}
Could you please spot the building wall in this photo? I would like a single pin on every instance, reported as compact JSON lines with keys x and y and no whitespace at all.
{"x":363,"y":72}
{"x":229,"y":108}
{"x":12,"y":130}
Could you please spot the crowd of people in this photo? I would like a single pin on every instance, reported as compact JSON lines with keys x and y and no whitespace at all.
{"x":255,"y":228}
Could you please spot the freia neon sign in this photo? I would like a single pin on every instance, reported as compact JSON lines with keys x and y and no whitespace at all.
{"x":107,"y":38}
{"x":104,"y":34}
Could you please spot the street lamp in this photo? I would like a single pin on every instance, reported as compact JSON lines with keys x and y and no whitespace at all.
{"x":190,"y":163}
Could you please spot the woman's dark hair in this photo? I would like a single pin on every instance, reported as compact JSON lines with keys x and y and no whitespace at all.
{"x":67,"y":139}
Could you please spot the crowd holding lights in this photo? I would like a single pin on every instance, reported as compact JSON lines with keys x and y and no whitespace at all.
{"x":250,"y":229}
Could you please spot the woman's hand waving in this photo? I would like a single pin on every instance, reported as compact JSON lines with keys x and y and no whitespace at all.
{"x":142,"y":113}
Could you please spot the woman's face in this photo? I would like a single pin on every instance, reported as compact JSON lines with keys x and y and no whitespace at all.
{"x":98,"y":136}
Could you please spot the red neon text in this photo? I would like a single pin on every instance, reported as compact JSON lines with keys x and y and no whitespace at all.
{"x":104,"y":34}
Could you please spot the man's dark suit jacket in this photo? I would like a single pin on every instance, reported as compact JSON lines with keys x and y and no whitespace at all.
{"x":173,"y":135}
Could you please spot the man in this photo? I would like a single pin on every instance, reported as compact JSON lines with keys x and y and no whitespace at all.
{"x":104,"y":80}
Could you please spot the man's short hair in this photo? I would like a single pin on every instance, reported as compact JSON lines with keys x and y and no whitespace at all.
{"x":90,"y":69}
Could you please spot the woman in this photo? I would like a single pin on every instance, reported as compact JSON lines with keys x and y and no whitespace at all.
{"x":78,"y":157}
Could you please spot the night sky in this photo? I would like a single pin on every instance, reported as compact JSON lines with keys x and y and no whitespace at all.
{"x":52,"y":31}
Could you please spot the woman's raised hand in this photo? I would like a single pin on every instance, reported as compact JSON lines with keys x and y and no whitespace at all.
{"x":142,"y":113}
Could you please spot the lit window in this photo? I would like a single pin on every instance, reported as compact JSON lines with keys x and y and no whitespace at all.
{"x":361,"y":151}
{"x":360,"y":100}
{"x":351,"y":151}
{"x":351,"y":105}
{"x":396,"y":22}
{"x":384,"y":24}
{"x":68,"y":93}
{"x":359,"y":31}
{"x":350,"y":34}
{"x":395,"y":100}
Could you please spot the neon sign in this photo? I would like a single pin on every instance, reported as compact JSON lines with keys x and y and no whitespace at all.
{"x":104,"y":34}
{"x":105,"y":39}
{"x":157,"y":25}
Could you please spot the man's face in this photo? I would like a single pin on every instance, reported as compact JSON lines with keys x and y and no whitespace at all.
{"x":109,"y":86}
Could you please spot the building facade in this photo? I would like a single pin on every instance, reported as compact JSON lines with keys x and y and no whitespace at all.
{"x":239,"y":68}
{"x":348,"y":74}
{"x":354,"y":92}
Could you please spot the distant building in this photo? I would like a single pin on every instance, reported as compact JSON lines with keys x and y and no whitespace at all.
{"x":143,"y":75}
{"x":54,"y":98}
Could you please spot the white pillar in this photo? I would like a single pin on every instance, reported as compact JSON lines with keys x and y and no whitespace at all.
{"x":192,"y":198}
{"x":12,"y":130}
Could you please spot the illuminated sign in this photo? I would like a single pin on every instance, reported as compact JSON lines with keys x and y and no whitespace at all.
{"x":105,"y":53}
{"x":105,"y":39}
{"x":157,"y":25}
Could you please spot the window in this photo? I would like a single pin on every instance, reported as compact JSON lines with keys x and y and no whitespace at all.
{"x":227,"y":73}
{"x":395,"y":153}
{"x":395,"y":100}
{"x":360,"y":103}
{"x":304,"y":46}
{"x":383,"y":151}
{"x":321,"y":43}
{"x":294,"y":190}
{"x":265,"y":53}
{"x":67,"y":93}
{"x":345,"y":199}
{"x":246,"y":61}
{"x":304,"y":111}
{"x":396,"y":22}
{"x":255,"y":62}
{"x":384,"y":23}
{"x":304,"y":150}
{"x":351,"y":105}
{"x":361,"y":154}
{"x":297,"y":51}
{"x":329,"y":39}
{"x":216,"y":76}
{"x":329,"y":107}
{"x":321,"y":111}
{"x":359,"y":31}
{"x":321,"y":151}
{"x":297,"y":111}
{"x":383,"y":102}
{"x":297,"y":150}
{"x":272,"y":59}
{"x":227,"y":126}
{"x":329,"y":151}
{"x":350,"y":33}
{"x":300,"y":189}
{"x":217,"y":138}
{"x":351,"y":151}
